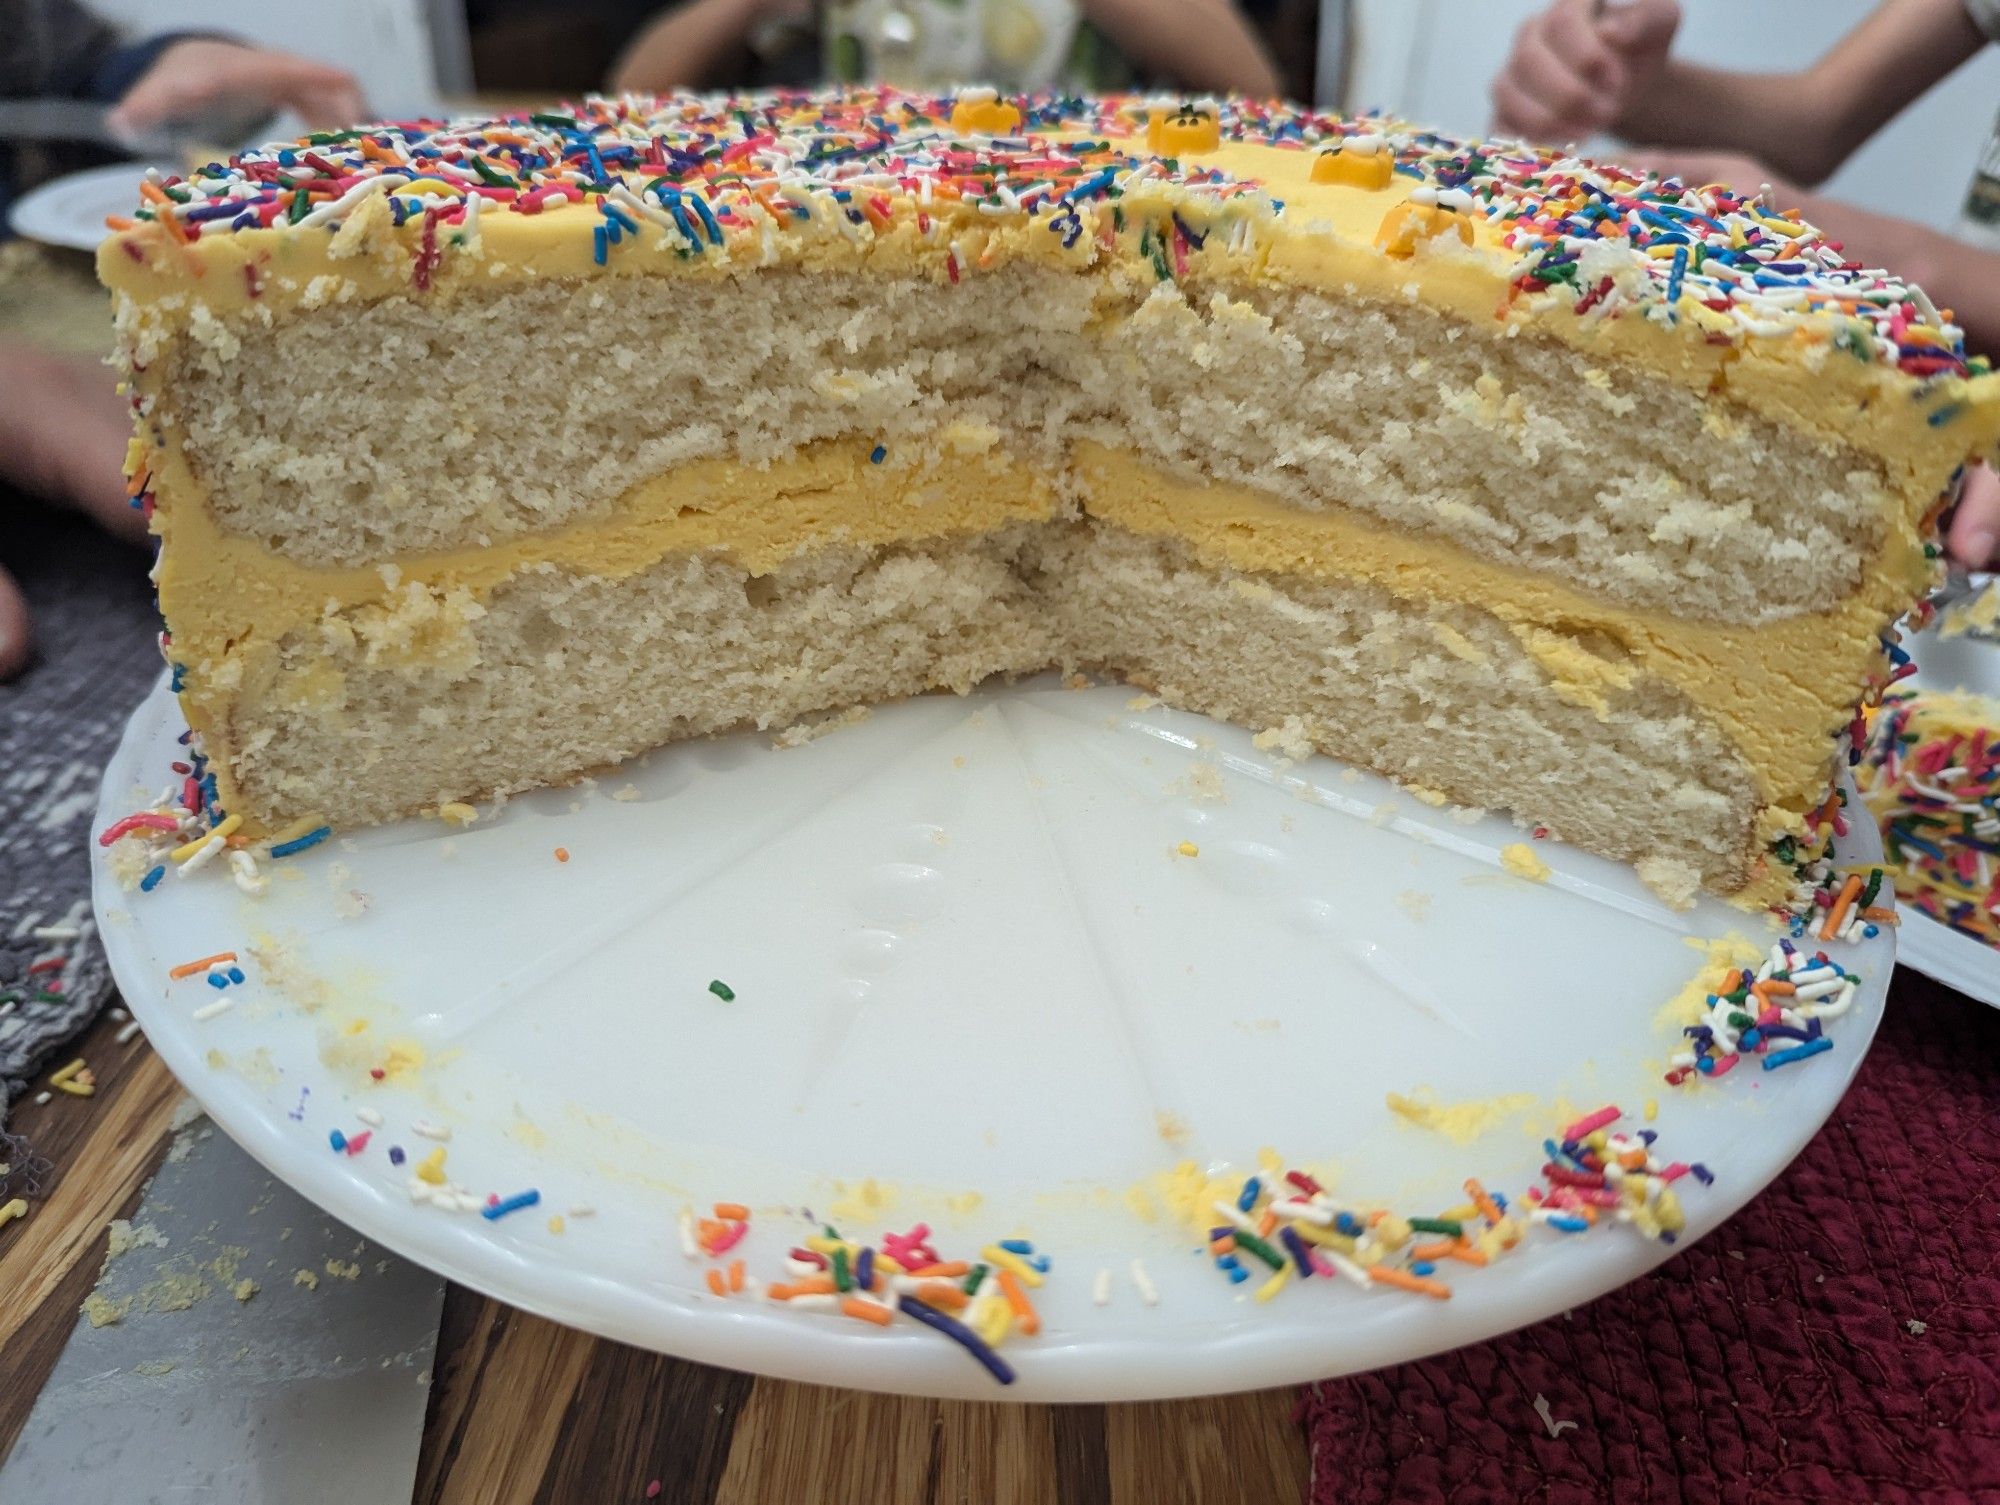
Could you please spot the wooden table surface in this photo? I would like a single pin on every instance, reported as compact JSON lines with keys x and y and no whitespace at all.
{"x":525,"y":1410}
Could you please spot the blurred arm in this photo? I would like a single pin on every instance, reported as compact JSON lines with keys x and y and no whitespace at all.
{"x":1958,"y":277}
{"x":1200,"y":44}
{"x":687,"y":47}
{"x":1806,"y":124}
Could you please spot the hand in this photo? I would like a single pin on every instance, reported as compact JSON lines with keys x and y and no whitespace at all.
{"x":1974,"y":538}
{"x":1576,"y":67}
{"x":201,"y":73}
{"x":63,"y":431}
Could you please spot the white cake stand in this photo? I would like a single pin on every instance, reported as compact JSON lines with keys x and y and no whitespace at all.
{"x":977,"y":983}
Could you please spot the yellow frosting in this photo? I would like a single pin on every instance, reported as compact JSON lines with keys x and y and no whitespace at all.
{"x":215,"y":585}
{"x":1521,"y":860}
{"x":1461,"y":1123}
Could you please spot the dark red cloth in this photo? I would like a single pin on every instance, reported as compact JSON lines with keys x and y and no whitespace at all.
{"x":1777,"y":1359}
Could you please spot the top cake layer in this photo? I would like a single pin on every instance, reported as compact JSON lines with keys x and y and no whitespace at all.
{"x":1699,"y":284}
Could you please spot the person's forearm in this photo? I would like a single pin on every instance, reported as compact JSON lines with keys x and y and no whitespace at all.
{"x":1956,"y":276}
{"x":685,"y":48}
{"x":1202,"y":44}
{"x":27,"y":458}
{"x":62,"y":434}
{"x":1806,"y":124}
{"x":1771,"y":117}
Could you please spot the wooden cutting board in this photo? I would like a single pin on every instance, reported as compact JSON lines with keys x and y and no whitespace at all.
{"x":525,"y":1410}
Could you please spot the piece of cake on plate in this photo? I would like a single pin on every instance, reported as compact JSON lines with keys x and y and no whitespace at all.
{"x":486,"y":453}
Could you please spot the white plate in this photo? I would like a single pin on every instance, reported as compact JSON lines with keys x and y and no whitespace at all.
{"x":1931,"y":946}
{"x":968,"y":958}
{"x":69,"y":211}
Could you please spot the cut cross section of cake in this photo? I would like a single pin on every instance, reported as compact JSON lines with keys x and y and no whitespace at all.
{"x":486,"y":453}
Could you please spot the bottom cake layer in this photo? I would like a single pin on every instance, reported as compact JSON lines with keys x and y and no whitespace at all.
{"x":556,"y":672}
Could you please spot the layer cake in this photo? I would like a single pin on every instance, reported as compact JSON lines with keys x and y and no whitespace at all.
{"x":486,"y":453}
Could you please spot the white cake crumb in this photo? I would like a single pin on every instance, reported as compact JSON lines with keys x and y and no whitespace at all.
{"x":1148,"y":1293}
{"x":1292,"y":737}
{"x":799,"y":733}
{"x":1675,"y":881}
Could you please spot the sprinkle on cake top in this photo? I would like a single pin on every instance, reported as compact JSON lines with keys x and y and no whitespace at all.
{"x":1601,"y":241}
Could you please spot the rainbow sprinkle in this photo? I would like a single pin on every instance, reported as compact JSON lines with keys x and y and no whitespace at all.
{"x":1282,"y":1221}
{"x":903,"y":1272}
{"x":1784,"y":1003}
{"x":497,"y":1207}
{"x":1296,"y":1230}
{"x":185,"y":829}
